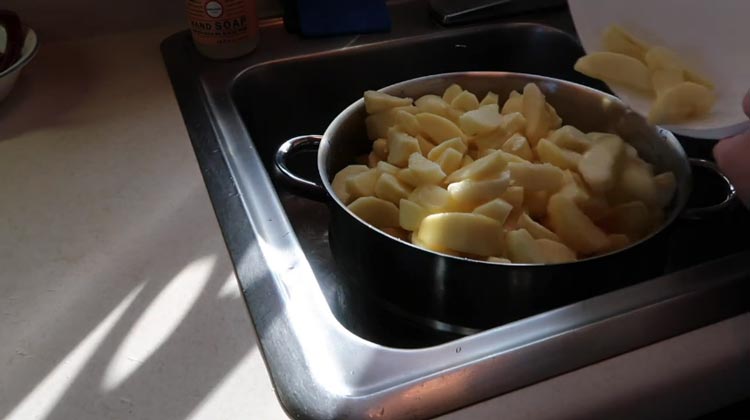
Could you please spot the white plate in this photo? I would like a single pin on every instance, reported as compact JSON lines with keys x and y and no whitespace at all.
{"x":713,"y":37}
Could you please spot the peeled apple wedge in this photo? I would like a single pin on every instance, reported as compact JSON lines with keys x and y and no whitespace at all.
{"x":373,"y":159}
{"x":416,"y":241}
{"x":451,"y":92}
{"x":433,"y":198}
{"x":519,"y":146}
{"x":489,"y":98}
{"x":424,"y":170}
{"x":466,"y":160}
{"x":536,"y":176}
{"x":636,"y":183}
{"x":485,"y":167}
{"x":497,"y":209}
{"x":386,"y":168}
{"x":377,"y":125}
{"x":571,"y":138}
{"x":574,"y":228}
{"x":522,"y":248}
{"x":411,"y":214}
{"x":437,"y":128}
{"x":599,"y":164}
{"x":400,"y":147}
{"x":510,"y":157}
{"x":616,"y":241}
{"x":380,"y":148}
{"x":390,"y":188}
{"x":480,"y":120}
{"x":665,"y":79}
{"x":433,"y":104}
{"x":378,"y":101}
{"x":575,"y":192}
{"x":450,"y":161}
{"x":424,"y":146}
{"x":663,"y":58}
{"x":553,"y":120}
{"x":616,"y":68}
{"x":464,"y":232}
{"x":555,"y":252}
{"x":514,"y":103}
{"x":682,"y":102}
{"x":534,"y":109}
{"x":509,"y":124}
{"x":375,"y":211}
{"x":595,"y":207}
{"x":514,"y":195}
{"x":408,"y":122}
{"x":465,"y":101}
{"x":550,"y":153}
{"x":536,"y":230}
{"x":617,"y":40}
{"x":339,"y":181}
{"x":469,"y":193}
{"x":362,"y":184}
{"x":492,"y":140}
{"x":455,"y":143}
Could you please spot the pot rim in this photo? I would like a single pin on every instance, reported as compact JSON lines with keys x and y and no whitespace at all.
{"x":352,"y":109}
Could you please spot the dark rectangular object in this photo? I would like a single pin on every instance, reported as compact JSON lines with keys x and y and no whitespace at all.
{"x":336,"y":17}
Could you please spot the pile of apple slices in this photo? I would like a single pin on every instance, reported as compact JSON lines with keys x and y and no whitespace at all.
{"x":465,"y":177}
{"x":681,"y":93}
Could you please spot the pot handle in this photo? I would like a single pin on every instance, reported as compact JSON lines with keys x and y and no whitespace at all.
{"x":309,"y":189}
{"x":699,"y":213}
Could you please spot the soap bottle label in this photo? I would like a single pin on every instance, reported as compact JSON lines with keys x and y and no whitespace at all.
{"x":215,"y":22}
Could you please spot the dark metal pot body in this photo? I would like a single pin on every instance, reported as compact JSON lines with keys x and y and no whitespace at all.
{"x":457,"y":294}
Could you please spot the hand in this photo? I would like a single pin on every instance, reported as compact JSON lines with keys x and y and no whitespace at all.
{"x":733,"y":157}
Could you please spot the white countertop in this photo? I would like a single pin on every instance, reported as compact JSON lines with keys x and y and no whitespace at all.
{"x":117,"y":295}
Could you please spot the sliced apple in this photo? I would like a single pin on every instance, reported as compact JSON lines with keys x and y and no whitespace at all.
{"x":339,"y":181}
{"x":463,"y":232}
{"x":437,"y":128}
{"x":375,"y":211}
{"x":616,"y":68}
{"x":575,"y":229}
{"x":411,"y":214}
{"x":378,"y":101}
{"x":522,"y":248}
{"x":617,"y":40}
{"x":451,"y":92}
{"x":687,"y":100}
{"x":598,"y":166}
{"x":480,"y":120}
{"x":555,"y":252}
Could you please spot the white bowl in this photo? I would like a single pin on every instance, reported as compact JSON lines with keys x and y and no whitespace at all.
{"x":711,"y":36}
{"x":9,"y":76}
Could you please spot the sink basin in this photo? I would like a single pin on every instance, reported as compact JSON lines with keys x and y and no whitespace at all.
{"x":332,"y":352}
{"x":276,"y":104}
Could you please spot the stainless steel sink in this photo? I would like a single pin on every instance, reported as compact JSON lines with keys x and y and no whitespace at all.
{"x":333,"y":354}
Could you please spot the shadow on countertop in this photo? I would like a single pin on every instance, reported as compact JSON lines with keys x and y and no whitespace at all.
{"x":183,"y":366}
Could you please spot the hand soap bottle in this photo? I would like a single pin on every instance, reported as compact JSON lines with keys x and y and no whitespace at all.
{"x":223,"y":29}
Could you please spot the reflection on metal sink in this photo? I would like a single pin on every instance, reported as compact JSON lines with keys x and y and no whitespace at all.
{"x":329,"y":354}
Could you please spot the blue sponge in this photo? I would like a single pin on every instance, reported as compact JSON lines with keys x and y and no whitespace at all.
{"x":336,"y":17}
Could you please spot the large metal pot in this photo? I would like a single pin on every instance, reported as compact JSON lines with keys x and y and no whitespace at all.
{"x":464,"y":295}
